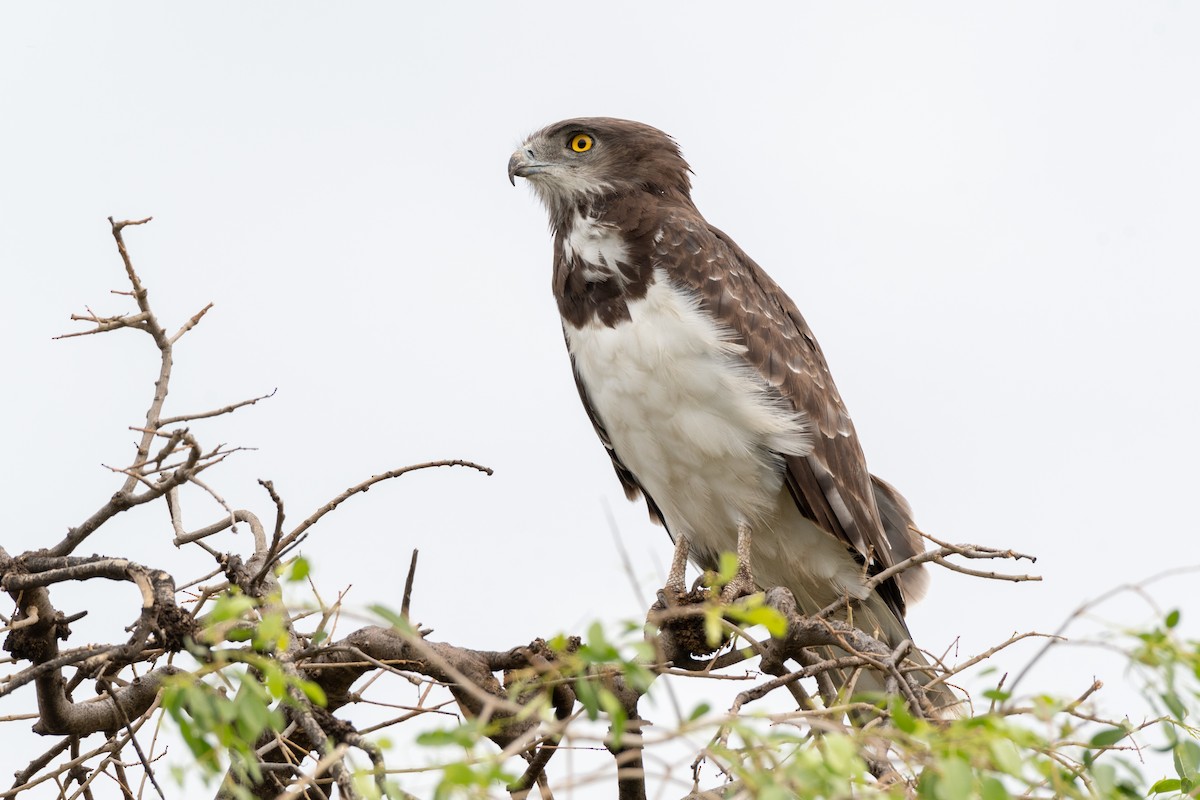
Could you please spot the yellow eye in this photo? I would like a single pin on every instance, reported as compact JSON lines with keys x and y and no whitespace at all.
{"x":581,"y":143}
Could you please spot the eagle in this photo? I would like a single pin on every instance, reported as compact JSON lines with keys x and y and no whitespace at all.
{"x":705,"y":384}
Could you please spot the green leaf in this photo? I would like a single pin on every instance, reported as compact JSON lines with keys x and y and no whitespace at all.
{"x":727,"y":568}
{"x":230,"y":606}
{"x":253,"y":714}
{"x":699,"y":711}
{"x":1186,"y":755}
{"x":769,"y":618}
{"x":1173,"y":618}
{"x":1175,"y":705}
{"x":199,"y":745}
{"x":271,"y":634}
{"x":993,"y":789}
{"x":1104,"y":778}
{"x":465,"y":736}
{"x":714,"y":627}
{"x":600,"y":649}
{"x":393,"y":618}
{"x":1006,"y":755}
{"x":616,"y":714}
{"x":274,"y":679}
{"x":927,"y":783}
{"x":595,"y":636}
{"x":1108,"y":737}
{"x":1166,"y":785}
{"x":585,"y":692}
{"x":841,"y":755}
{"x":558,"y":644}
{"x":999,"y":695}
{"x":455,"y":775}
{"x":313,"y":692}
{"x":902,"y":718}
{"x":643,"y":652}
{"x":638,"y":676}
{"x":1045,"y":707}
{"x":299,"y":570}
{"x":957,"y":780}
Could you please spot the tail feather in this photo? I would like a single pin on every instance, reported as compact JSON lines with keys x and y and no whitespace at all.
{"x":903,"y":541}
{"x":873,"y":616}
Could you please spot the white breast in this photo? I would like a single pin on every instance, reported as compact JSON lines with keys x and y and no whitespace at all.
{"x":700,"y":431}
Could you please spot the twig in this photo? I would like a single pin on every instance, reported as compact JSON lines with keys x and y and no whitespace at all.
{"x":215,"y":412}
{"x":408,"y":585}
{"x":191,"y":323}
{"x":133,"y":740}
{"x":367,"y":484}
{"x":269,"y":557}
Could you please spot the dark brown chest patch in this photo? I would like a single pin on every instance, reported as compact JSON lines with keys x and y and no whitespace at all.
{"x":585,"y":293}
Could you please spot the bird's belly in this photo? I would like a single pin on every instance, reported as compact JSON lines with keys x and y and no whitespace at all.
{"x":699,"y":429}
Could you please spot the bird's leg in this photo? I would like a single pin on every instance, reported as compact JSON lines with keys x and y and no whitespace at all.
{"x":675,"y":578}
{"x":743,"y":580}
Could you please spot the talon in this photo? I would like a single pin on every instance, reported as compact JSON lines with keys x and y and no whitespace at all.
{"x":743,"y":581}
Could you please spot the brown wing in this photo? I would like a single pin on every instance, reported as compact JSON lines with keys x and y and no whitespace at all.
{"x":628,"y":482}
{"x":831,"y":485}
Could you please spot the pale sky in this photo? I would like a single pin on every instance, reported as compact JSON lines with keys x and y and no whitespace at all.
{"x":988,"y":215}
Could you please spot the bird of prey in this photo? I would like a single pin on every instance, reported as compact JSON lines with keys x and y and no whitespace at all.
{"x":705,"y":384}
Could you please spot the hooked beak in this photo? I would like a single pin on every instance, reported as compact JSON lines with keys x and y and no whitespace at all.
{"x":523,"y":164}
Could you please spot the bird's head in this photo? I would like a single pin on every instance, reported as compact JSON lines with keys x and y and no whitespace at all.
{"x":572,"y":163}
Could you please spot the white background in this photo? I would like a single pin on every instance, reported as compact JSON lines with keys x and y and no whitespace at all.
{"x":987,"y":214}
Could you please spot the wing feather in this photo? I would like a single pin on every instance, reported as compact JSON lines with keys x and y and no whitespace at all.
{"x":831,"y":485}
